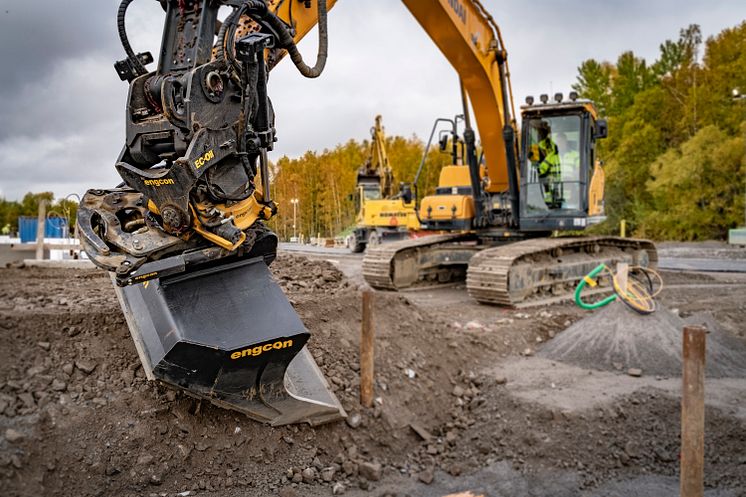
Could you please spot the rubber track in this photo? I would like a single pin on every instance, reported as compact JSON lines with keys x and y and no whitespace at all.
{"x":378,"y":261}
{"x":489,"y":274}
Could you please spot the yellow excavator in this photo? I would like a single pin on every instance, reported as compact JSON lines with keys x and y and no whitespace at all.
{"x":498,"y":213}
{"x":382,"y":214}
{"x":184,"y":236}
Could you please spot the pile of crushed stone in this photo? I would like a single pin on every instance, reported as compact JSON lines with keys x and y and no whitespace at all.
{"x":616,"y":338}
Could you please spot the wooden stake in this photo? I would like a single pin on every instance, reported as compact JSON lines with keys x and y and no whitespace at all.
{"x":693,"y":413}
{"x":40,"y":229}
{"x":366,"y":351}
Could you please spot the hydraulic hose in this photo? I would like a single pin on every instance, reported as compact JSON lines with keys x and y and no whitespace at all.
{"x":285,"y":39}
{"x":125,"y":41}
{"x":588,"y":280}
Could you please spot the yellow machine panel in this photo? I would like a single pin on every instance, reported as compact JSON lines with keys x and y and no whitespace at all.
{"x":390,"y":214}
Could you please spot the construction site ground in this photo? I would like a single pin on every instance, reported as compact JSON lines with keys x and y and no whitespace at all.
{"x":466,"y":401}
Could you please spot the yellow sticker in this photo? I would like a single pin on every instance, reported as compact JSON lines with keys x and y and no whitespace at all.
{"x":204,"y":159}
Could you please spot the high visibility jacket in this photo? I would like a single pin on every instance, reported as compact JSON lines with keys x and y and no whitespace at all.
{"x":550,"y":164}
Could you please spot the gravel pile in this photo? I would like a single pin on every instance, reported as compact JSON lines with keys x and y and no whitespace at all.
{"x":618,"y":339}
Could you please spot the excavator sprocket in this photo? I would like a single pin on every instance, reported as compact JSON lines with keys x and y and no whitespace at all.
{"x":546,"y":270}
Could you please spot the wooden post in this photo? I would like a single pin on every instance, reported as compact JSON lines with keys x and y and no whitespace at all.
{"x":367,"y":351}
{"x":623,"y":228}
{"x":40,"y":229}
{"x":693,"y":413}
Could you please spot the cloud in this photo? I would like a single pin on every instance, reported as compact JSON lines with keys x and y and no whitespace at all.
{"x":62,"y":105}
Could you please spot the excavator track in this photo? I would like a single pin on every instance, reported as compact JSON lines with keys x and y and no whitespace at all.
{"x":546,"y":270}
{"x":428,"y":260}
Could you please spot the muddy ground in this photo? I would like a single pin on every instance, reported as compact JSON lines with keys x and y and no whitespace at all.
{"x":462,"y":401}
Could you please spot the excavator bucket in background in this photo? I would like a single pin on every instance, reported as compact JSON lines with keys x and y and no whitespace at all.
{"x":229,"y":335}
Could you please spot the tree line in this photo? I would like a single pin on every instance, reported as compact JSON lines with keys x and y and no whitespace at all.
{"x":676,"y":154}
{"x":11,"y":210}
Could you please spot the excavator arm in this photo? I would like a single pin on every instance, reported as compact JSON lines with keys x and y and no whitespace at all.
{"x":470,"y":39}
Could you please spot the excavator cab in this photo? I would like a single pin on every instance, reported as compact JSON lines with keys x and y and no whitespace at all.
{"x":558,"y":164}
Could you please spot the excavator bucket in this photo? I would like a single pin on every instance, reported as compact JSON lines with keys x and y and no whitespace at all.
{"x":229,"y":335}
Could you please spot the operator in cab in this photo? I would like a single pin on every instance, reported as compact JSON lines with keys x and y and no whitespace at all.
{"x":546,"y":160}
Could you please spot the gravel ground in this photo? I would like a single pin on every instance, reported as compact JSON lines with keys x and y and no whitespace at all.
{"x":77,"y":416}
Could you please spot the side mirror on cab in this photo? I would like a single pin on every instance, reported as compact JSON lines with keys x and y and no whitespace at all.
{"x":405,"y":191}
{"x":602,"y":129}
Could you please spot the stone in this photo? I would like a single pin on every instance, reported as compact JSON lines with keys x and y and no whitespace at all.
{"x":44,"y":345}
{"x":13,"y":436}
{"x":297,"y":478}
{"x":370,"y":470}
{"x":426,"y":477}
{"x":421,"y":432}
{"x":528,"y":352}
{"x":145,"y":459}
{"x":327,"y":474}
{"x":309,"y":475}
{"x":338,"y":489}
{"x":354,"y":420}
{"x":501,"y":380}
{"x":86,"y":367}
{"x":458,"y":391}
{"x":68,"y":368}
{"x":59,"y":385}
{"x":636,"y":372}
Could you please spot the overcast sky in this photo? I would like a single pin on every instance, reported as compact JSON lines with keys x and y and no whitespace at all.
{"x":62,"y":105}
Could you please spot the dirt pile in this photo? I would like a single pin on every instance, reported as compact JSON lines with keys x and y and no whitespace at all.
{"x":298,"y":274}
{"x":618,"y":339}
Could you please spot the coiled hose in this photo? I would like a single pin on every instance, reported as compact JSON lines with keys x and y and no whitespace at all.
{"x":637,"y":296}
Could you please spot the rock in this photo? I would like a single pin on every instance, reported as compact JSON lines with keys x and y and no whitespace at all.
{"x":127,"y":376}
{"x":451,"y":436}
{"x":59,"y":385}
{"x":184,"y":450}
{"x":421,"y":432}
{"x":44,"y":345}
{"x":327,"y":474}
{"x":338,"y":489}
{"x":426,"y":477}
{"x":308,"y":475}
{"x":68,"y":369}
{"x":86,"y":367}
{"x":155,"y":480}
{"x":297,"y":478}
{"x":354,"y":420}
{"x":458,"y":391}
{"x":551,"y":334}
{"x":13,"y":436}
{"x":348,"y":467}
{"x":71,"y":330}
{"x":636,"y":372}
{"x":145,"y":459}
{"x":474,"y":325}
{"x":528,"y":352}
{"x":16,"y":461}
{"x":370,"y":470}
{"x":288,"y":440}
{"x":501,"y":380}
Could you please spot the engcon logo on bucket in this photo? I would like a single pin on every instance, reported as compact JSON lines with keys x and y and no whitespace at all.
{"x":260,"y":349}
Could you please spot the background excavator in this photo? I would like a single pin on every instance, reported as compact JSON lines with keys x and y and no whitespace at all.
{"x":184,"y":235}
{"x":498,"y":213}
{"x":383,"y":215}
